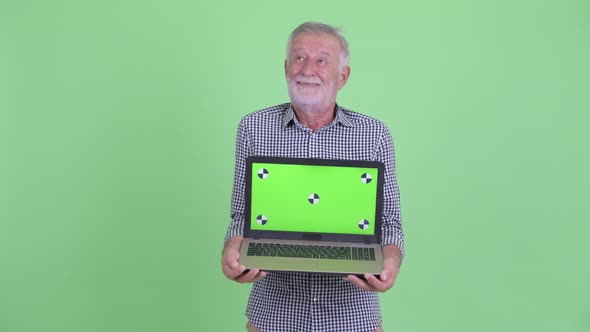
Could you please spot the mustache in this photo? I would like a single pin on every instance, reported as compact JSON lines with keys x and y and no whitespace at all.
{"x":307,"y":80}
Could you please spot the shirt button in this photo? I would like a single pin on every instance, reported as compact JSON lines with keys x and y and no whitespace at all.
{"x":315,"y":299}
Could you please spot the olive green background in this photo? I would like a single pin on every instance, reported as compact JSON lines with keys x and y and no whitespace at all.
{"x":117,"y":126}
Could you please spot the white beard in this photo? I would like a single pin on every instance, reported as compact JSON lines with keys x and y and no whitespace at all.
{"x":311,"y":98}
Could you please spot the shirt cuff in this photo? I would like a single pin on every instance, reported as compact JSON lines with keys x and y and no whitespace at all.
{"x":236,"y":228}
{"x":392,"y":237}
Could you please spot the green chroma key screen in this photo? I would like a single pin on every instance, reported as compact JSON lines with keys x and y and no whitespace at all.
{"x":313,"y":198}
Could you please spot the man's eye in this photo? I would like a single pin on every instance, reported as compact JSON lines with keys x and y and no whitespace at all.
{"x":322,"y":61}
{"x":299,"y":58}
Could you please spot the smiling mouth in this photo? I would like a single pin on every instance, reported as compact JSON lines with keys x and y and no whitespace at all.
{"x":307,"y":83}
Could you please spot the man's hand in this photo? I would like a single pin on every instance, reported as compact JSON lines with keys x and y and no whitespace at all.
{"x":232,"y":269}
{"x":391,"y":262}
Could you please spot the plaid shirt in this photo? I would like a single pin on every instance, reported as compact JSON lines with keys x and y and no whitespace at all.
{"x":312,"y":302}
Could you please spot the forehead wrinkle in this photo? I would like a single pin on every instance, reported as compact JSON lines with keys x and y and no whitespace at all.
{"x":298,"y":49}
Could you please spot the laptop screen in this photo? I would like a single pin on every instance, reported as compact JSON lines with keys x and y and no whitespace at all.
{"x":314,"y":196}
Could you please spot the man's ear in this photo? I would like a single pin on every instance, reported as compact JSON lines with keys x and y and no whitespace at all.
{"x":343,"y":77}
{"x":285,"y":67}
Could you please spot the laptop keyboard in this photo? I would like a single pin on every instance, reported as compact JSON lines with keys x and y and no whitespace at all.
{"x":311,"y":251}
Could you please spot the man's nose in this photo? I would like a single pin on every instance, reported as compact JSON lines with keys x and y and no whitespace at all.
{"x":308,"y":67}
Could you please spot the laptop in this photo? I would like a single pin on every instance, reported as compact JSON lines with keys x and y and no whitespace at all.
{"x":313,"y":215}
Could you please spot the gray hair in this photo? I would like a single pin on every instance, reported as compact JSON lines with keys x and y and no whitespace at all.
{"x":316,"y":28}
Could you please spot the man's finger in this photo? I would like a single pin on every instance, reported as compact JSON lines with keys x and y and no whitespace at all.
{"x":235,"y":272}
{"x":377,"y":284}
{"x":230,"y":262}
{"x":359,"y":283}
{"x":260,"y":275}
{"x":229,"y":266}
{"x":371,"y":279}
{"x":248,"y":277}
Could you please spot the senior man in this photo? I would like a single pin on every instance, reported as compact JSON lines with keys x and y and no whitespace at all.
{"x":313,"y":125}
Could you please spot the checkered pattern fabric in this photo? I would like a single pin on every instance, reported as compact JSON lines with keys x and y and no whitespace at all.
{"x":310,"y":302}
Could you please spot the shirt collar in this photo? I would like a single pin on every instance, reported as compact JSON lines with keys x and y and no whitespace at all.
{"x":340,"y":117}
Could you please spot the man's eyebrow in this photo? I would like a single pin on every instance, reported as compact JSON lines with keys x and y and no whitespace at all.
{"x":303,"y":49}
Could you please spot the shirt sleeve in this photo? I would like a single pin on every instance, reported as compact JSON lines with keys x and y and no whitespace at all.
{"x":236,"y":226}
{"x":391,"y":228}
